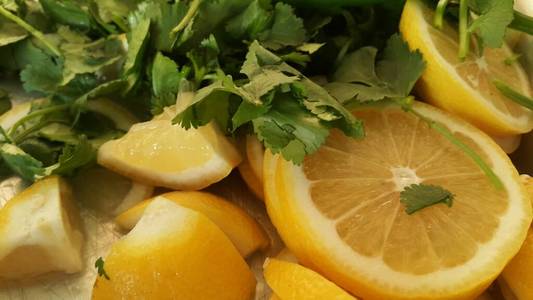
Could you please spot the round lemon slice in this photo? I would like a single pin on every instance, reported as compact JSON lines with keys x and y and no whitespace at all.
{"x":465,"y":87}
{"x":251,"y":168}
{"x":174,"y":253}
{"x":340,"y":211}
{"x":160,"y":153}
{"x":242,"y":230}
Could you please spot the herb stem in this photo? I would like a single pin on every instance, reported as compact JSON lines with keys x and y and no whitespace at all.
{"x":36,"y":33}
{"x":522,"y":23}
{"x":193,"y":8}
{"x":36,"y":114}
{"x":464,"y":34}
{"x":512,"y":94}
{"x":438,"y":20}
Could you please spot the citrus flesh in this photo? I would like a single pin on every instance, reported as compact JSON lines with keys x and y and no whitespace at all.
{"x":290,"y":281}
{"x":465,"y":87}
{"x":245,"y":233}
{"x":340,"y":213}
{"x":251,"y":168}
{"x":40,"y":231}
{"x":174,"y":253}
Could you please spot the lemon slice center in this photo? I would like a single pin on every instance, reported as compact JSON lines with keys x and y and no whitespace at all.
{"x":404,"y":177}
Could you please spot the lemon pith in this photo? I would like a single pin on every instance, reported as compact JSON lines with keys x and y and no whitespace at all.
{"x":368,"y":244}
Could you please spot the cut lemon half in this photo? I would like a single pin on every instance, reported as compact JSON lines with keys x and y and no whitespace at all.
{"x":242,"y":230}
{"x":160,"y":153}
{"x":290,"y":281}
{"x":516,"y":281}
{"x":465,"y":87}
{"x":41,"y":232}
{"x":340,"y":211}
{"x":251,"y":168}
{"x":174,"y":253}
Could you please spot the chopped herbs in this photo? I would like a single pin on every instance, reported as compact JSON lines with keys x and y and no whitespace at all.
{"x":419,"y":196}
{"x":99,"y":265}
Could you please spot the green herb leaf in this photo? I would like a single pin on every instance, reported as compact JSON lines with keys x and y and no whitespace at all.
{"x":372,"y":81}
{"x":41,"y":72}
{"x":74,"y":156}
{"x":5,"y":101}
{"x":11,"y":33}
{"x":67,"y":12}
{"x":138,"y":40}
{"x":22,"y":163}
{"x":418,"y":196}
{"x":494,"y":17}
{"x":166,"y":79}
{"x":513,"y":95}
{"x":99,"y":265}
{"x":287,"y":29}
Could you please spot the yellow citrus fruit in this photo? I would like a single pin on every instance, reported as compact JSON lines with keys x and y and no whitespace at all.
{"x":40,"y":231}
{"x":340,"y":211}
{"x":275,"y":297}
{"x":465,"y":87}
{"x":160,"y":153}
{"x":517,"y":277}
{"x":242,"y":230}
{"x":174,"y":253}
{"x":290,"y":281}
{"x":251,"y":168}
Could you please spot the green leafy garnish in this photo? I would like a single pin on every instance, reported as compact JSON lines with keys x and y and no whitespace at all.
{"x":5,"y":101}
{"x":99,"y":265}
{"x":513,"y":95}
{"x":419,"y":196}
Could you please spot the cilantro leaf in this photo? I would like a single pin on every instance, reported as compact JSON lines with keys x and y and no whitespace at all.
{"x":287,"y":29}
{"x":22,"y":163}
{"x":11,"y":33}
{"x":494,"y":17}
{"x":418,"y":196}
{"x":372,"y":80}
{"x":74,"y":156}
{"x":99,"y":265}
{"x":254,"y":20}
{"x":67,"y":12}
{"x":138,"y":39}
{"x":166,"y":79}
{"x":42,"y":73}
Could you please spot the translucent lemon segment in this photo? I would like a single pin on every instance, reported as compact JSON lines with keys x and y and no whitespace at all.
{"x":40,"y":231}
{"x":245,"y":233}
{"x":174,"y":253}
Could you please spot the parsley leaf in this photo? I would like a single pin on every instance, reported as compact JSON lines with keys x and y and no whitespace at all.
{"x":99,"y":265}
{"x":361,"y":76}
{"x":166,"y":78}
{"x":494,"y":17}
{"x":418,"y":196}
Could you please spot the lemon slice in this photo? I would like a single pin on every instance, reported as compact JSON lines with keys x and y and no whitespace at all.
{"x":465,"y":87}
{"x":40,"y":231}
{"x":340,"y":214}
{"x":291,"y":281}
{"x":162,"y":154}
{"x":174,"y":253}
{"x":516,"y":281}
{"x":242,"y":230}
{"x":275,"y":297}
{"x":251,"y":168}
{"x":107,"y":192}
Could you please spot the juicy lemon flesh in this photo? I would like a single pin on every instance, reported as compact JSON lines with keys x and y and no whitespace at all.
{"x":400,"y":150}
{"x":154,"y":144}
{"x":291,"y":281}
{"x":465,"y":87}
{"x":175,"y":253}
{"x":245,"y":233}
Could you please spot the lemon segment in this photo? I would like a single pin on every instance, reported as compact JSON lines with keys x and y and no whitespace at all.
{"x":340,"y":213}
{"x":517,"y":279}
{"x":245,"y":233}
{"x":162,"y":154}
{"x":291,"y":281}
{"x":251,"y":168}
{"x":275,"y":297}
{"x":465,"y":87}
{"x":174,"y":253}
{"x":40,"y":231}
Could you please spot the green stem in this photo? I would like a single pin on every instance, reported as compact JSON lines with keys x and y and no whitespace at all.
{"x":36,"y":114}
{"x":438,"y":20}
{"x":36,"y":33}
{"x":522,"y":22}
{"x":446,"y":133}
{"x":193,"y":8}
{"x":464,"y":34}
{"x":512,"y":94}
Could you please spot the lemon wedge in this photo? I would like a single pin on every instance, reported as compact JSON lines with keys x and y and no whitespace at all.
{"x":40,"y":231}
{"x":340,"y":211}
{"x":290,"y":281}
{"x":241,"y":229}
{"x":516,"y":281}
{"x":162,"y":154}
{"x":174,"y":253}
{"x":251,"y":168}
{"x":465,"y":87}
